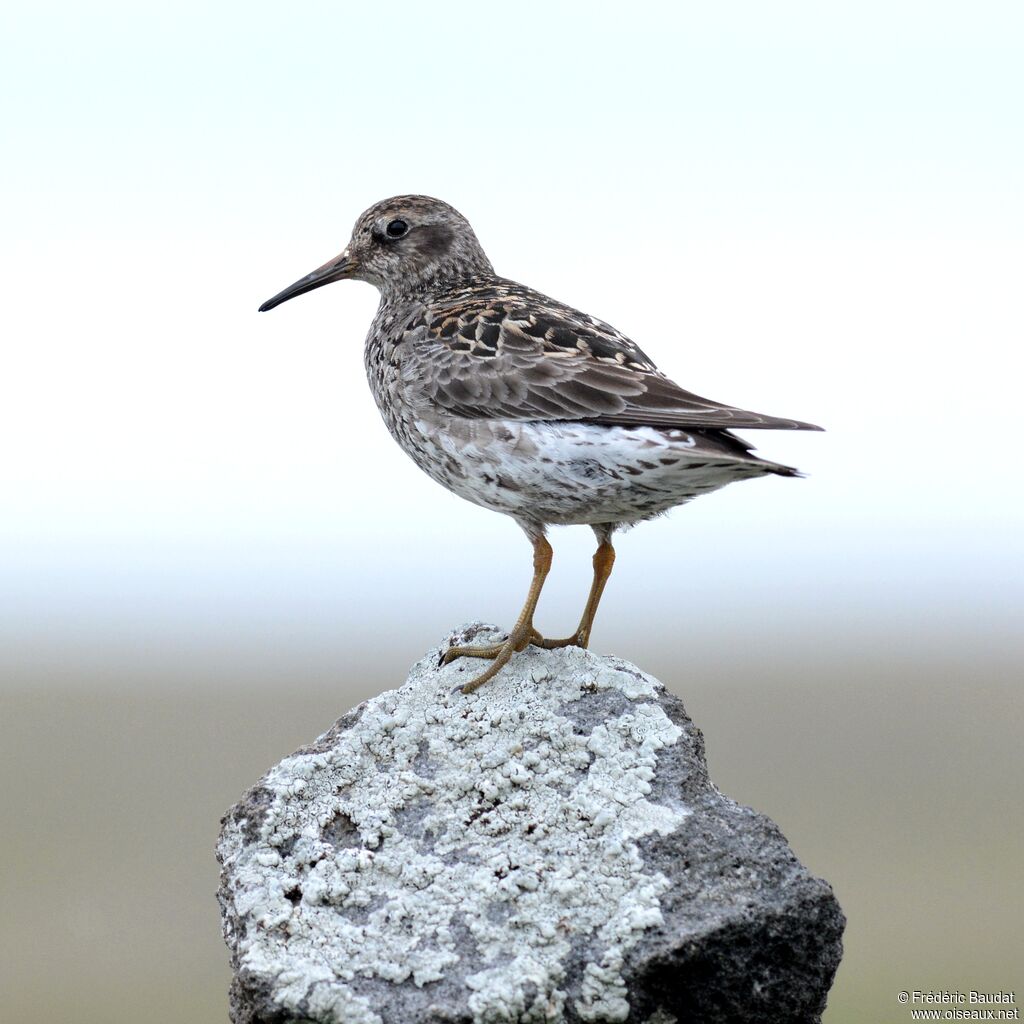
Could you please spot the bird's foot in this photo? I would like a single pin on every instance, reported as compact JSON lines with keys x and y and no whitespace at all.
{"x":578,"y":639}
{"x":493,"y":650}
{"x":500,"y":654}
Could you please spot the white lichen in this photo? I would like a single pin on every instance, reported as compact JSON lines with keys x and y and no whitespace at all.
{"x":441,"y":822}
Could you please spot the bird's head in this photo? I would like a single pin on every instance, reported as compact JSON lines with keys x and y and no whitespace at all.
{"x":402,"y":245}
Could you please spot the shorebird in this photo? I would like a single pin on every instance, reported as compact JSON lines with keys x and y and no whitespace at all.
{"x":524,"y":405}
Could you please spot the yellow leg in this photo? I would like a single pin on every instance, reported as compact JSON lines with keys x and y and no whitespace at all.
{"x":522,"y":633}
{"x":604,"y":559}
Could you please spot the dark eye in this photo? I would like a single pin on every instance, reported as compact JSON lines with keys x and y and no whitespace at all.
{"x":397,"y":228}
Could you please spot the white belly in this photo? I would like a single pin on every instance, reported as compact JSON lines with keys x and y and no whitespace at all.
{"x":572,"y":473}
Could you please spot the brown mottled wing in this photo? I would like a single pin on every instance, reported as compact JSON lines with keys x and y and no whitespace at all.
{"x":505,"y":352}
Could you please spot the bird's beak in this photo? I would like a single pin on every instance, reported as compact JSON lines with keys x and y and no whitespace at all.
{"x":333,"y":270}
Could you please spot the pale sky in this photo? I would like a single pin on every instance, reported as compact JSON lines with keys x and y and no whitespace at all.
{"x":810,"y":210}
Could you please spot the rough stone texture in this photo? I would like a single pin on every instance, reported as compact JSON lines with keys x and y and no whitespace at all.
{"x":549,"y":848}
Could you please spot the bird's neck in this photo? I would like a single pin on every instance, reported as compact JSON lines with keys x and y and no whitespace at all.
{"x":439,"y":279}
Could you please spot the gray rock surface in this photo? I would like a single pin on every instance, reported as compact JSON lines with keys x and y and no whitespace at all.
{"x":548,"y":848}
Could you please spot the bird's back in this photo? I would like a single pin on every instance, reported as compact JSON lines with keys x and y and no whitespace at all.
{"x":497,"y":349}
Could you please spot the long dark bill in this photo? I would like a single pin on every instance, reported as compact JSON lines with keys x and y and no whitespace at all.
{"x":333,"y":270}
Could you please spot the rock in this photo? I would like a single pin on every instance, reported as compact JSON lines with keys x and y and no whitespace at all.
{"x":548,"y":848}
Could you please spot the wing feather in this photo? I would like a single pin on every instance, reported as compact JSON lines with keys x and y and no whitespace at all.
{"x":502,"y":351}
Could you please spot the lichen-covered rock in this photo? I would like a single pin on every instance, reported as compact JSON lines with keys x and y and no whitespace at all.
{"x":548,"y":848}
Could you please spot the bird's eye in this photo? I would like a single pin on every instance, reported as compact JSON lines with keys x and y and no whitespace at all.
{"x":397,"y":228}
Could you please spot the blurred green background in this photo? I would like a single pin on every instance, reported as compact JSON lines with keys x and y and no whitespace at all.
{"x":210,"y":548}
{"x":898,"y":779}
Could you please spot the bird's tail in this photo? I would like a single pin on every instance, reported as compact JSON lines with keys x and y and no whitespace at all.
{"x":724,"y":442}
{"x":780,"y":470}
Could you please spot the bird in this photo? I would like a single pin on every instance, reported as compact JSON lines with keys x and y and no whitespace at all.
{"x":524,"y":405}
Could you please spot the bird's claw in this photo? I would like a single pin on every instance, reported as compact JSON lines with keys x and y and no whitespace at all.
{"x":498,"y":653}
{"x":484,"y":651}
{"x":577,"y":639}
